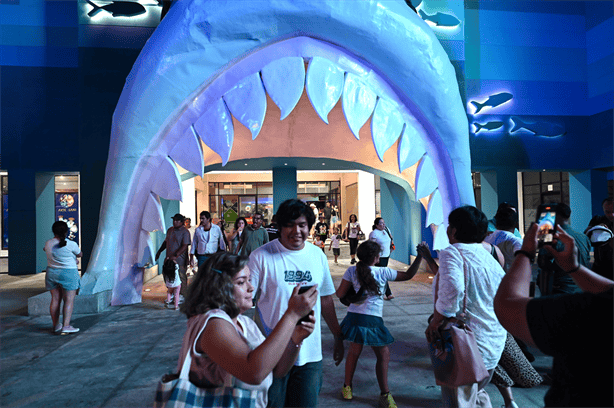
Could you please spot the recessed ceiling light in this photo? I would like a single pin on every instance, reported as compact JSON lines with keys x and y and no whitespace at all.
{"x":246,"y":164}
{"x":323,"y":164}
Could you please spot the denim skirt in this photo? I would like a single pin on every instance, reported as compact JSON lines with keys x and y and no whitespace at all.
{"x":68,"y":279}
{"x":365,"y":329}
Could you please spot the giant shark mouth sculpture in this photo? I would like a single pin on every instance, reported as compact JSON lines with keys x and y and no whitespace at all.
{"x":210,"y":60}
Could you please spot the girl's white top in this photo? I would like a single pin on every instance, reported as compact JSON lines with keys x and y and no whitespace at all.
{"x":372,"y":304}
{"x":484,"y":274}
{"x":335,"y":240}
{"x":61,"y":258}
{"x":176,"y":282}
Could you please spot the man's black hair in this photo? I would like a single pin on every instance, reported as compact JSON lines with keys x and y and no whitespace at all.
{"x":207,"y":214}
{"x":292,"y":209}
{"x":471,"y":224}
{"x":563,"y":211}
{"x":506,"y":218}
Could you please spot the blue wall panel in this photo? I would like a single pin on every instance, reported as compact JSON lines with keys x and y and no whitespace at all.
{"x":525,"y":151}
{"x":39,"y":56}
{"x":527,"y":29}
{"x":597,"y":12}
{"x":600,"y":41}
{"x":601,"y":134}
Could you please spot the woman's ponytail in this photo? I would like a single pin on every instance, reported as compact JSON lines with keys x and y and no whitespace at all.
{"x":60,"y":230}
{"x":367,"y":252}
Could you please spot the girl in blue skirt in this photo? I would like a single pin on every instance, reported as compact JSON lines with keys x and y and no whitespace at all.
{"x":363,"y":325}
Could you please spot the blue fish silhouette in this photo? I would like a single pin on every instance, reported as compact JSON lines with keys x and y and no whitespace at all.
{"x":488,"y":126}
{"x":493,"y":101}
{"x":440,"y":19}
{"x":538,"y":129}
{"x":118,"y":9}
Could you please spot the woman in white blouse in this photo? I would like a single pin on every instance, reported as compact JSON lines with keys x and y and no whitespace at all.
{"x":467,"y":228}
{"x":381,"y":235}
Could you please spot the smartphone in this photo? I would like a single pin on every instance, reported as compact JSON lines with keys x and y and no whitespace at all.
{"x":546,"y":224}
{"x":304,"y":289}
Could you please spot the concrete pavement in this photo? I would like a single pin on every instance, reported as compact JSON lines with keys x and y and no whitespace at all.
{"x":119,"y":355}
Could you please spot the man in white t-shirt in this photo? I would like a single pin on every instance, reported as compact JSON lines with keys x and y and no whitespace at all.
{"x":276,"y":268}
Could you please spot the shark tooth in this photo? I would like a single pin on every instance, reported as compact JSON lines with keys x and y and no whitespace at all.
{"x":153,"y":215}
{"x":324,"y":84}
{"x":386,"y":126}
{"x":426,"y":178}
{"x":284,"y":81}
{"x":167,"y":183}
{"x":434,"y":212}
{"x":247,"y":102}
{"x":145,"y":254}
{"x":358,"y":103}
{"x":411,"y":146}
{"x":216,"y":130}
{"x":440,"y":240}
{"x":188,"y":153}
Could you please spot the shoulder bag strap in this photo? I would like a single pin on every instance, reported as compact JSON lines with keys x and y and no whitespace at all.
{"x":466,"y":280}
{"x":388,"y":231}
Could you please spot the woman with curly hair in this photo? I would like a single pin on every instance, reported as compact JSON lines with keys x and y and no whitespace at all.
{"x":363,"y":325}
{"x":227,"y":348}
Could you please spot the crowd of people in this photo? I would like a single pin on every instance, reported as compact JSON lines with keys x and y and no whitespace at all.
{"x":485,"y":276}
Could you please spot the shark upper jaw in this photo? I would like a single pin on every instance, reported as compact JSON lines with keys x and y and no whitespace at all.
{"x":199,"y":56}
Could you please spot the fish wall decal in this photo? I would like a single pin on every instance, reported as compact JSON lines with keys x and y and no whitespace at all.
{"x":440,"y":19}
{"x":118,"y":9}
{"x":488,"y":126}
{"x":544,"y":129}
{"x":493,"y":101}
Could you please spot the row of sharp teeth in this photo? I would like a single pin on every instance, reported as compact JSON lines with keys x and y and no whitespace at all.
{"x":284,"y":80}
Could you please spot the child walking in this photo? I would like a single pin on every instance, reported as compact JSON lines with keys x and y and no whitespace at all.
{"x":363,"y":325}
{"x":170,"y":271}
{"x":319,"y":243}
{"x":335,"y":239}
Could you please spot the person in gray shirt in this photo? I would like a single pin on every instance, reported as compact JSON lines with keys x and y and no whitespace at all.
{"x":176,"y":245}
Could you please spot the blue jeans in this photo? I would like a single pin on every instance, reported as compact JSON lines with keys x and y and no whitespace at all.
{"x":299,"y":388}
{"x":201,"y":259}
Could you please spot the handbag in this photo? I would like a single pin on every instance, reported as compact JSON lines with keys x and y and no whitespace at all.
{"x":176,"y":391}
{"x":391,"y":240}
{"x":351,"y":296}
{"x":455,"y":356}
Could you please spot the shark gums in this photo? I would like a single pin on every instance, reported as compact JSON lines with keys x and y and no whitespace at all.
{"x":213,"y":70}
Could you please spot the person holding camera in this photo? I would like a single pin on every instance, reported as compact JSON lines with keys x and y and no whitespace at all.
{"x":576,"y":329}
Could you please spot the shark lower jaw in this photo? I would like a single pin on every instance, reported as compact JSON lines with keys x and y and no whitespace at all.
{"x":146,"y":150}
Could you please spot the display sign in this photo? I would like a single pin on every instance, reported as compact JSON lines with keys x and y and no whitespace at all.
{"x":67,"y":210}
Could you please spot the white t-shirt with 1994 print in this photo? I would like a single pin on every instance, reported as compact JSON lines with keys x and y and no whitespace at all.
{"x":276,"y":270}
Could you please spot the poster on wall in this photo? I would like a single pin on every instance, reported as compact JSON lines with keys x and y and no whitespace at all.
{"x":67,"y":210}
{"x":5,"y":221}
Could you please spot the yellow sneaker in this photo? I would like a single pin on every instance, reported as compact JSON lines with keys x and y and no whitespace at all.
{"x":347,"y":392}
{"x":386,"y":401}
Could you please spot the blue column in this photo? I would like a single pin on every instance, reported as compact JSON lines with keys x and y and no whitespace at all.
{"x":599,"y":190}
{"x":490,"y":198}
{"x":22,"y":222}
{"x":284,"y":185}
{"x":507,"y":186}
{"x":579,"y":199}
{"x":403,"y":218}
{"x":45,"y":215}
